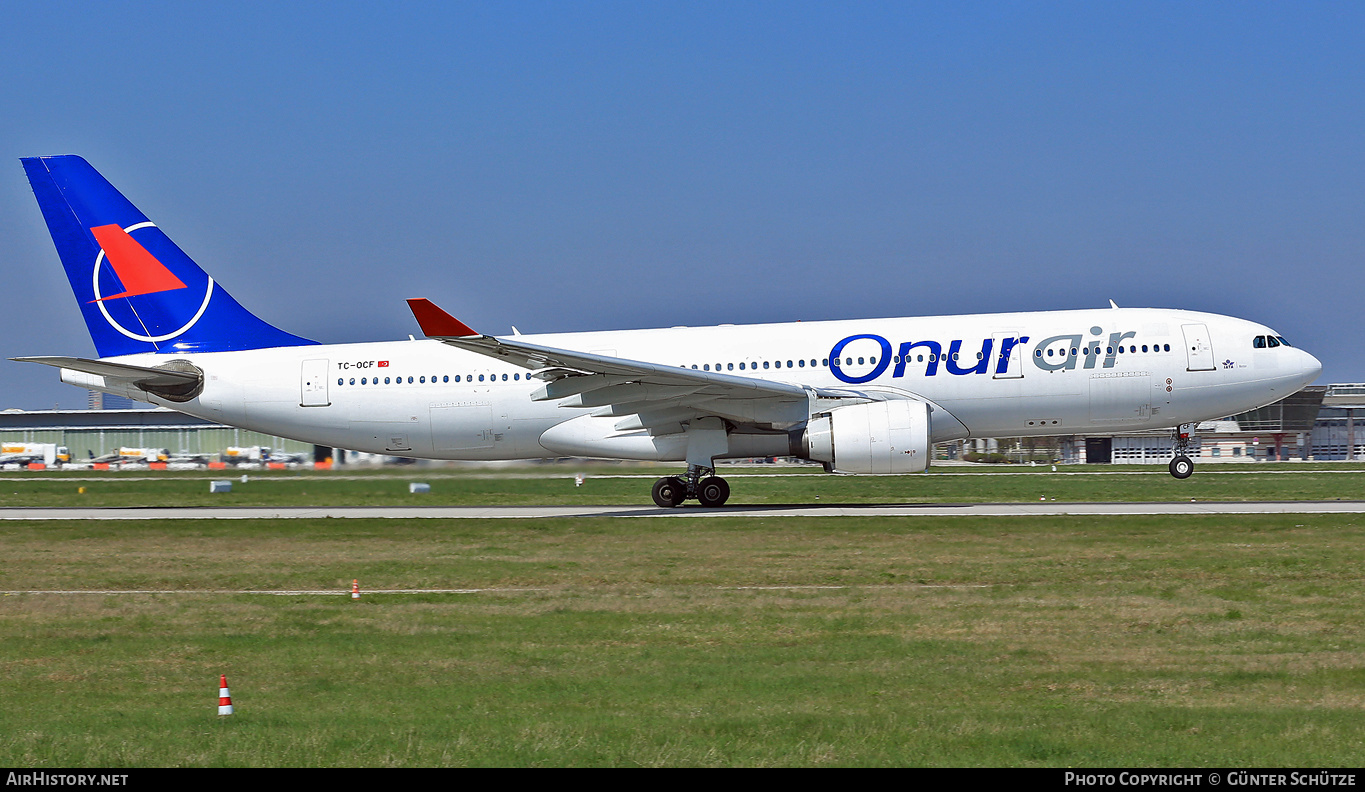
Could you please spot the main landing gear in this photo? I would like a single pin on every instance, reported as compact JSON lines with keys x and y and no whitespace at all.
{"x":710,"y":491}
{"x":1182,"y":467}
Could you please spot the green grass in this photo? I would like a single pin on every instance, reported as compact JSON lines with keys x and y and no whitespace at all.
{"x":1119,"y":641}
{"x":613,"y":485}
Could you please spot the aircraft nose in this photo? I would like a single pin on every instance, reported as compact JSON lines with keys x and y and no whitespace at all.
{"x":1309,"y":367}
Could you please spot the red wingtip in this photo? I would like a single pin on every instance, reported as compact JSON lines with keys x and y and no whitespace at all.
{"x":436,"y":323}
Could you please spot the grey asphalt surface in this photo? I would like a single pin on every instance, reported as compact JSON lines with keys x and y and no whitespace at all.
{"x":1049,"y":508}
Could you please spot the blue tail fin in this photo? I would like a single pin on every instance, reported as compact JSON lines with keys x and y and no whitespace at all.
{"x":137,"y":291}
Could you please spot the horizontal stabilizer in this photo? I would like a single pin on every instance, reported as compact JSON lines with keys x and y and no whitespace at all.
{"x":176,"y":380}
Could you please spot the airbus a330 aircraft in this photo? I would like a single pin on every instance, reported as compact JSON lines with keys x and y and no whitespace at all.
{"x":865,"y":396}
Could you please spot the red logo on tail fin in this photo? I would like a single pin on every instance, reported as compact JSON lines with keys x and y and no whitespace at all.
{"x":138,"y":270}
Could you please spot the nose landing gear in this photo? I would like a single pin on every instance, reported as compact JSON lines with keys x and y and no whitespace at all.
{"x":711,"y":491}
{"x":1182,"y":467}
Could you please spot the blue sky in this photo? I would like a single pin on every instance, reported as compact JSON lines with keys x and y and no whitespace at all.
{"x":576,"y":166}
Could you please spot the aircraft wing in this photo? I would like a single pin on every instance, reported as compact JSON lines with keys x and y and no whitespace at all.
{"x":647,"y":395}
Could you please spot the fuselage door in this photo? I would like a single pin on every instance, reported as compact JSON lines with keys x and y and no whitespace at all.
{"x":1198,"y":348}
{"x":1002,"y":366}
{"x":313,"y":384}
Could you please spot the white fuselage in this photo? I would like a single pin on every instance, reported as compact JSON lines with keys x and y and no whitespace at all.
{"x":1062,"y":372}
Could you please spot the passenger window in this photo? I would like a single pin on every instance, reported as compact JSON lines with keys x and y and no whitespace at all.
{"x":706,"y":367}
{"x":765,"y":364}
{"x":504,"y":378}
{"x":352,"y":380}
{"x":1167,"y":348}
{"x":480,"y":378}
{"x":423,"y":380}
{"x":386,"y":380}
{"x":741,"y":366}
{"x":362,"y":380}
{"x":789,"y":364}
{"x":729,"y":366}
{"x":803,"y":363}
{"x":341,"y":381}
{"x":446,"y":378}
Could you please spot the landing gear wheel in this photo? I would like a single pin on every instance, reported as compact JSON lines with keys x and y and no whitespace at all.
{"x":713,"y":492}
{"x":1181,"y":467}
{"x":669,"y":492}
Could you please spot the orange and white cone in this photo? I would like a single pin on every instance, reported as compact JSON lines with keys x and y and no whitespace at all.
{"x":224,"y":697}
{"x":355,"y":589}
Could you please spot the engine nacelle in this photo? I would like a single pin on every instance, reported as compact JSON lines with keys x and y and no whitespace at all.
{"x":879,"y":437}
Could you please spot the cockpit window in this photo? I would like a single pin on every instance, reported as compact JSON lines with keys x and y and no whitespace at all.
{"x":1282,"y":341}
{"x":1272,"y":341}
{"x":1259,"y":342}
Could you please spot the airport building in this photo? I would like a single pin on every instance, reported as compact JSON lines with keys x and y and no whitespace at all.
{"x":97,"y":433}
{"x":1317,"y":423}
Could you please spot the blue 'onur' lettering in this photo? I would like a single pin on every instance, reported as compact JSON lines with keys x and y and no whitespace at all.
{"x":982,"y":365}
{"x":1057,"y":353}
{"x":882,"y":362}
{"x":935,"y":352}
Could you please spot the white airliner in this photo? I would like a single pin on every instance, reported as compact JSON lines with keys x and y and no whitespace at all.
{"x":864,"y":396}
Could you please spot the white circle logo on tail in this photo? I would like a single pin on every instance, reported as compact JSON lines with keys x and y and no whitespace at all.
{"x":144,"y":336}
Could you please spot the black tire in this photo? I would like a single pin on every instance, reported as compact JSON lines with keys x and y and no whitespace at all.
{"x":679,"y":490}
{"x":713,"y":492}
{"x":669,"y":492}
{"x":1182,"y":467}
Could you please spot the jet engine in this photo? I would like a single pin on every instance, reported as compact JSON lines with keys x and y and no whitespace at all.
{"x":879,"y":437}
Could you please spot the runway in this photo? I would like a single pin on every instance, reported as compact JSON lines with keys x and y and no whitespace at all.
{"x":1050,"y":508}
